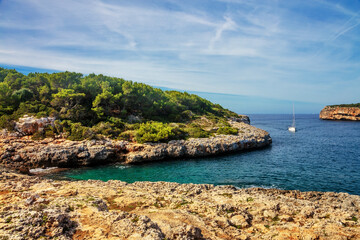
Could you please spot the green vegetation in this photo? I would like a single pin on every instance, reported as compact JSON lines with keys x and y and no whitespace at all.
{"x":347,"y":105}
{"x":8,"y":219}
{"x":95,"y":106}
{"x":276,"y":218}
{"x":157,"y":132}
{"x":227,"y":130}
{"x":353,"y":218}
{"x":228,"y":195}
{"x":249,"y":199}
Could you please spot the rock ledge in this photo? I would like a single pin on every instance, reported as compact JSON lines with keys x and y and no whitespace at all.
{"x":23,"y":153}
{"x":36,"y":208}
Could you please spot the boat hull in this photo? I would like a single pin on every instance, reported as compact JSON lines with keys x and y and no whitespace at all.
{"x":292,"y":129}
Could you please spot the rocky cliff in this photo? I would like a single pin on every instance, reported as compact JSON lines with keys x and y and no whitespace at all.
{"x":23,"y":153}
{"x":36,"y":208}
{"x":340,"y":113}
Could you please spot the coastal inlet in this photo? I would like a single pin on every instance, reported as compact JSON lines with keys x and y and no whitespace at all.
{"x":320,"y":156}
{"x":22,"y":153}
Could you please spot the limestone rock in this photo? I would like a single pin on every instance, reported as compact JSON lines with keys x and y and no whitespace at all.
{"x":28,"y":125}
{"x":340,"y":113}
{"x":23,"y":153}
{"x":241,"y":118}
{"x":249,"y":137}
{"x":40,"y":208}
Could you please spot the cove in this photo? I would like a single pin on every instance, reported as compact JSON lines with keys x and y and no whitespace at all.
{"x":320,"y":156}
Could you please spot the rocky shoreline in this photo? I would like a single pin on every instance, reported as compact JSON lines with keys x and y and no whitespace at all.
{"x":37,"y":208}
{"x":340,"y":113}
{"x":23,"y":153}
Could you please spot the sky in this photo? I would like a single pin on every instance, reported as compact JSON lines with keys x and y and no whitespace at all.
{"x":305,"y":52}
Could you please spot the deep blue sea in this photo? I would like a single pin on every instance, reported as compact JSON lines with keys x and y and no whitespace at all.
{"x":320,"y":156}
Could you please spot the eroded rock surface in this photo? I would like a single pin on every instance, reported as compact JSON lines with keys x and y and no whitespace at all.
{"x":249,"y":137}
{"x":340,"y":113}
{"x":31,"y":208}
{"x":29,"y":125}
{"x":23,"y":153}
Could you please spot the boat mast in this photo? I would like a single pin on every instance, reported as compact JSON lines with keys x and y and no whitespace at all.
{"x":293,"y":116}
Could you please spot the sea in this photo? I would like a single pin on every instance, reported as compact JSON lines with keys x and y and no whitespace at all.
{"x":321,"y":156}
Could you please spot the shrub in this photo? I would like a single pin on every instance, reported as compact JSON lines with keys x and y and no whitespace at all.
{"x":126,"y":136}
{"x":108,"y":129}
{"x":32,"y":108}
{"x":48,"y":132}
{"x":227,"y":130}
{"x":75,"y":131}
{"x":39,"y":135}
{"x":7,"y":122}
{"x":197,"y":132}
{"x":79,"y":132}
{"x":157,"y":132}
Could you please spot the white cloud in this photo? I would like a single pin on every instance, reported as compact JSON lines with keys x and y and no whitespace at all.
{"x":259,"y":48}
{"x":227,"y":25}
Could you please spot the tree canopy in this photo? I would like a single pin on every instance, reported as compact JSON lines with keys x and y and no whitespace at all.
{"x":103,"y":105}
{"x":347,"y":105}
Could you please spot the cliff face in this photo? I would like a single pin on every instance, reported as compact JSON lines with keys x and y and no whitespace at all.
{"x":23,"y":153}
{"x":340,"y":113}
{"x":36,"y":208}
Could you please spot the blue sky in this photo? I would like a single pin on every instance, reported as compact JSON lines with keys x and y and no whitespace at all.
{"x":306,"y":52}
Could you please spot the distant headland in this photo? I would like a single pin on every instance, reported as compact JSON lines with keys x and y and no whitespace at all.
{"x":66,"y":119}
{"x":349,"y":112}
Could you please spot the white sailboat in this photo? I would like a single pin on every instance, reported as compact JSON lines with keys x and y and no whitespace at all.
{"x":292,"y":128}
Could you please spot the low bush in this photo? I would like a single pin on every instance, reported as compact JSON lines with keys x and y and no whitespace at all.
{"x":6,"y":121}
{"x":227,"y":130}
{"x":127,"y":135}
{"x":195,"y":131}
{"x":157,"y":132}
{"x":78,"y":132}
{"x":48,"y":132}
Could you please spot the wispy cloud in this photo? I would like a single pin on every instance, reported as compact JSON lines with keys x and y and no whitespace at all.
{"x":351,"y":23}
{"x":258,"y":48}
{"x":227,"y":25}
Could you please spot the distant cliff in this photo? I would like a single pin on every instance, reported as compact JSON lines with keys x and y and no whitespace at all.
{"x":341,"y":112}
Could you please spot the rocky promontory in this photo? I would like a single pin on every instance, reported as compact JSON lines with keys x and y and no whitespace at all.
{"x":340,"y":113}
{"x":37,"y":208}
{"x":23,"y":153}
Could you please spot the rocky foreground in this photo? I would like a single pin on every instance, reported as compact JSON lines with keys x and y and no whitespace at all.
{"x":36,"y":208}
{"x":340,"y":113}
{"x":22,"y":153}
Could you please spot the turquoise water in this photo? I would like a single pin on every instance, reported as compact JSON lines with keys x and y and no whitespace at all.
{"x":320,"y":156}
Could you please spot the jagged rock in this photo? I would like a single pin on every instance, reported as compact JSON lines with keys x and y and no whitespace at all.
{"x":29,"y":125}
{"x":241,"y":118}
{"x":162,"y":210}
{"x":340,"y":113}
{"x":22,"y":153}
{"x":249,"y":137}
{"x":241,"y":221}
{"x":37,"y":224}
{"x":186,"y":232}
